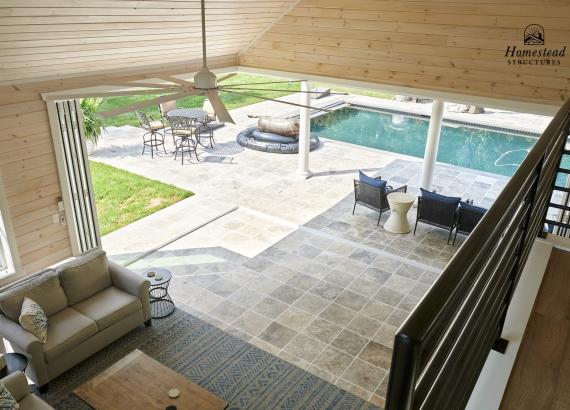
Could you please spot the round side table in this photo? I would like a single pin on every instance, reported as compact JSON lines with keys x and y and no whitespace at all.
{"x":161,"y":304}
{"x":400,"y":203}
{"x":15,"y":362}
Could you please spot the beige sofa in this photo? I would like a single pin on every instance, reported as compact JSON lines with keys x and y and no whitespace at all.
{"x":17,"y":385}
{"x":90,"y":302}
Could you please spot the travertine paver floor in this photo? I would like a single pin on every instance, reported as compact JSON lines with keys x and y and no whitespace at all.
{"x":292,"y":270}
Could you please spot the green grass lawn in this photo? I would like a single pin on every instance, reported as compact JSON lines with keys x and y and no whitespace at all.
{"x":122,"y":197}
{"x":231,"y":100}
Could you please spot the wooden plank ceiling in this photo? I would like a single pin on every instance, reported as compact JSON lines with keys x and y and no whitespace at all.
{"x":455,"y":46}
{"x":47,"y":38}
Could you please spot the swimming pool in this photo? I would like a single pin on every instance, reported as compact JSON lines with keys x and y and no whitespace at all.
{"x":485,"y":150}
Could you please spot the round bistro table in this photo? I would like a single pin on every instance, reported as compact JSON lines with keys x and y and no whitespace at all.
{"x":161,"y":304}
{"x":15,"y":362}
{"x":400,"y":203}
{"x":193,"y":113}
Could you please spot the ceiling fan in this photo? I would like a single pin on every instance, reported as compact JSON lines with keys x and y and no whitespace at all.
{"x":204,"y":83}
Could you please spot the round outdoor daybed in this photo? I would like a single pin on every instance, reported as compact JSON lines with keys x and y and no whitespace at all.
{"x":268,"y":142}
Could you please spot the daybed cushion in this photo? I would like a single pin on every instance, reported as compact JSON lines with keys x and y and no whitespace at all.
{"x":378,"y":183}
{"x":109,"y":306}
{"x":448,"y":200}
{"x":85,"y":276}
{"x":43,"y":288}
{"x":66,"y":330}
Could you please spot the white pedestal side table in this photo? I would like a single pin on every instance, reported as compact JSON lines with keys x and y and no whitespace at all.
{"x":400,"y":203}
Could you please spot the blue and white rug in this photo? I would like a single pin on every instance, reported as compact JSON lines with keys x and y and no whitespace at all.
{"x":243,"y":375}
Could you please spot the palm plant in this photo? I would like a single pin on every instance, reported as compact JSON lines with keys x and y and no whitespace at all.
{"x":92,"y":121}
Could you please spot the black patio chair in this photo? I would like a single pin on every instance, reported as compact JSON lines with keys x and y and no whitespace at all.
{"x":437,"y":210}
{"x":372,"y":193}
{"x":154,"y":135}
{"x":468,"y":216}
{"x":185,"y":134}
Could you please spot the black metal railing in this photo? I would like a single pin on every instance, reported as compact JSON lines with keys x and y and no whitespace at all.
{"x":441,"y":348}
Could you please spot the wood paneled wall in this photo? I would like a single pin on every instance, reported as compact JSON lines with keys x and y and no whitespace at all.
{"x":44,"y":38}
{"x":28,"y":164}
{"x":455,"y":46}
{"x":31,"y":182}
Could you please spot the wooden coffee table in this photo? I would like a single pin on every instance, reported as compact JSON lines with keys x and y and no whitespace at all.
{"x":139,"y":382}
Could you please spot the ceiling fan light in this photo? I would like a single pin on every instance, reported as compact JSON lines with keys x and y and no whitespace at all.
{"x":205,"y":79}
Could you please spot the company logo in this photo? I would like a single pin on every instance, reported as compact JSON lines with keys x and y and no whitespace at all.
{"x":533,"y":36}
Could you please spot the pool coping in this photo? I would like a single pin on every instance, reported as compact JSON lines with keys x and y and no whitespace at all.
{"x":533,"y":127}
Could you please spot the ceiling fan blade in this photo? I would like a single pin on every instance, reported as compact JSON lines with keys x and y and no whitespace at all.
{"x":273,"y":99}
{"x":268,"y":82}
{"x":176,"y":80}
{"x":104,"y":94}
{"x":139,"y":84}
{"x":221,"y":111}
{"x":225,"y":77}
{"x":292,"y":91}
{"x":154,"y":101}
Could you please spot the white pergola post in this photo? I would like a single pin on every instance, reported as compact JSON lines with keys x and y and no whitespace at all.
{"x":432,"y":143}
{"x":304,"y":132}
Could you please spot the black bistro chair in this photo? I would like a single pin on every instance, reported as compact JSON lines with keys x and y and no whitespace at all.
{"x":372,"y":193}
{"x":154,"y":135}
{"x":468,"y":216}
{"x":437,"y":210}
{"x":185,"y":136}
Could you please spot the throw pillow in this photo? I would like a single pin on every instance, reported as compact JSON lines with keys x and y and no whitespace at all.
{"x":378,"y":183}
{"x":34,"y":320}
{"x":7,"y":401}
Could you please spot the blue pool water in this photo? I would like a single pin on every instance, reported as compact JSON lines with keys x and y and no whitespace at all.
{"x":484,"y":150}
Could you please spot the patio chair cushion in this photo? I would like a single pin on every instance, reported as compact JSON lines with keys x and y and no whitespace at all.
{"x":378,"y":183}
{"x":183,"y":133}
{"x":448,"y":200}
{"x":473,"y":208}
{"x":156,"y":125}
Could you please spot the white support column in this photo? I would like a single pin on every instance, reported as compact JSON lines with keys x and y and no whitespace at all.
{"x":432,"y":143}
{"x":304,"y":132}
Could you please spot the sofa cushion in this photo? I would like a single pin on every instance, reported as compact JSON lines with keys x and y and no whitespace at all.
{"x":85,"y":276}
{"x":66,"y":330}
{"x":43,"y":288}
{"x":33,"y":319}
{"x":109,"y":306}
{"x":33,"y":402}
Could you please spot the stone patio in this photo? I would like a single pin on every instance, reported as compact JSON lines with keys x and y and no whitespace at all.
{"x":288,"y":267}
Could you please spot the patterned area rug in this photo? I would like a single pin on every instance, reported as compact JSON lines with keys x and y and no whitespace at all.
{"x":243,"y":375}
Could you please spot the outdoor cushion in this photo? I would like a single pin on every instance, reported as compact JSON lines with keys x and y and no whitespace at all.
{"x":183,"y":133}
{"x":109,"y":306}
{"x":85,"y":276}
{"x":469,"y":207}
{"x":378,"y":183}
{"x":156,"y":125}
{"x":448,"y":200}
{"x":33,"y":319}
{"x":67,"y":329}
{"x":43,"y":288}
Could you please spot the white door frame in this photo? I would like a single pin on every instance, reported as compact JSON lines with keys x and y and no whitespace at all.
{"x":67,"y":194}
